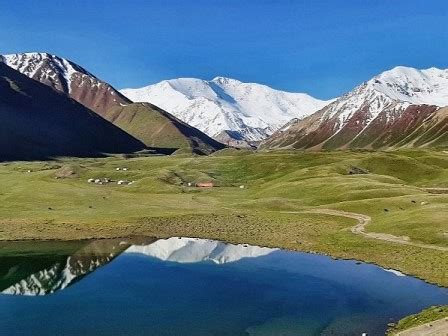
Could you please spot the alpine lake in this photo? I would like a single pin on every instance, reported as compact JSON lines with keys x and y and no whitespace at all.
{"x":190,"y":286}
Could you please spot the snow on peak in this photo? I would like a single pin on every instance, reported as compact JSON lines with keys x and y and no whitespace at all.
{"x":392,"y":91}
{"x":429,"y":86}
{"x":46,"y":67}
{"x":251,"y":110}
{"x":193,"y":250}
{"x":225,"y":81}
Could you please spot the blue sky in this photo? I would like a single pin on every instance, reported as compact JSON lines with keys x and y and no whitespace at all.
{"x":324,"y":48}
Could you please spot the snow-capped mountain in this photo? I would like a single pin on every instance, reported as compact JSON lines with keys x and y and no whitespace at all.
{"x":429,"y":86}
{"x":395,"y":108}
{"x":68,"y":77}
{"x":226,"y":108}
{"x":192,"y":250}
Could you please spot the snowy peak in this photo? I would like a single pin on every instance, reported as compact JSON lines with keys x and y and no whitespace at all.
{"x":190,"y":87}
{"x":46,"y":68}
{"x":392,"y":91}
{"x":68,"y":77}
{"x":247,"y":111}
{"x":226,"y":82}
{"x":415,"y":86}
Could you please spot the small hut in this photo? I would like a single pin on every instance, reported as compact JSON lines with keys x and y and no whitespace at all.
{"x":205,"y":185}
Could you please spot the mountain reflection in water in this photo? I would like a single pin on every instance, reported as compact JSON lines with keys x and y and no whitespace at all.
{"x":42,"y":273}
{"x":189,"y":286}
{"x":35,"y":275}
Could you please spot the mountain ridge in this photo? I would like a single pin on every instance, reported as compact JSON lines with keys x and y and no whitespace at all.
{"x":69,"y":78}
{"x":379,"y":113}
{"x":379,"y":109}
{"x":227,"y":108}
{"x":39,"y":122}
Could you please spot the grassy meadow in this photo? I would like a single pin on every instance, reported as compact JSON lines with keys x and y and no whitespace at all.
{"x":253,"y":201}
{"x":426,"y":316}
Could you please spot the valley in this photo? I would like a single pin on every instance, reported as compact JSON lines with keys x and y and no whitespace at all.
{"x":253,"y":168}
{"x":273,"y":199}
{"x":361,"y":177}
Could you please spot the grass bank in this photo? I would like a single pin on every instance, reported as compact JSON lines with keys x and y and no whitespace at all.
{"x":428,"y":315}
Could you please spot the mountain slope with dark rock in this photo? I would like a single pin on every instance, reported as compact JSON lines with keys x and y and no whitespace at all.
{"x":38,"y":122}
{"x":68,"y":77}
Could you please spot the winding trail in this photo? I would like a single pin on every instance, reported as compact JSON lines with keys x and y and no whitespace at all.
{"x":363,"y":220}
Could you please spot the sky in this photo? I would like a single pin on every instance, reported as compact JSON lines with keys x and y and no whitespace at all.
{"x":324,"y":48}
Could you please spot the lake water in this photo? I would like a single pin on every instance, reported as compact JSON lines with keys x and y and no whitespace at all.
{"x":186,"y":286}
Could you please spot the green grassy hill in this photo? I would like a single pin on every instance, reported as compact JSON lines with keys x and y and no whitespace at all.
{"x":157,"y":128}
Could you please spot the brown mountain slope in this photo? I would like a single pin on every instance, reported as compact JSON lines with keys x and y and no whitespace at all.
{"x":68,"y":77}
{"x":37,"y":122}
{"x":414,"y":126}
{"x":401,"y":107}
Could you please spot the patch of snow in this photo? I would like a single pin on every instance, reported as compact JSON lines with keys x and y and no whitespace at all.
{"x":397,"y":273}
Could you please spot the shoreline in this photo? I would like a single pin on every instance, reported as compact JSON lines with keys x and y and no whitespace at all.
{"x":315,"y":252}
{"x":418,"y":328}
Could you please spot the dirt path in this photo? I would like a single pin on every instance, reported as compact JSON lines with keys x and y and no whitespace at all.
{"x":363,"y":220}
{"x":436,"y":190}
{"x":436,"y":328}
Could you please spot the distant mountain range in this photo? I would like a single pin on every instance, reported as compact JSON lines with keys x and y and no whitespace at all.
{"x":146,"y":124}
{"x":227,"y":109}
{"x":398,"y":108}
{"x":50,"y":106}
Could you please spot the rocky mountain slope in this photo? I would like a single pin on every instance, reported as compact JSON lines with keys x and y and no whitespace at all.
{"x":147,"y":123}
{"x":38,"y":122}
{"x":227,"y":109}
{"x":401,"y":107}
{"x":68,"y":77}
